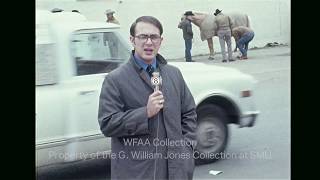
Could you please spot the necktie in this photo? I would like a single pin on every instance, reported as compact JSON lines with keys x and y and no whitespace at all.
{"x":150,"y":70}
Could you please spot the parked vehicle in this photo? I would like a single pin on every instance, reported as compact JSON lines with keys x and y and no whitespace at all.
{"x":73,"y":56}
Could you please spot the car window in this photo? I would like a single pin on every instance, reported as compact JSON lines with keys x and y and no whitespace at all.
{"x":97,"y":52}
{"x":45,"y":64}
{"x":46,"y":70}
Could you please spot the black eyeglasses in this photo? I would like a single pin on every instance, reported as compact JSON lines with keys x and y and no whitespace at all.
{"x":155,"y":38}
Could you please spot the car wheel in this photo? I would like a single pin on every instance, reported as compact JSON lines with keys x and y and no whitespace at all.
{"x":212,"y":134}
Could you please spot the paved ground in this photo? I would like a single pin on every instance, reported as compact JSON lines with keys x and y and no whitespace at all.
{"x":270,"y":137}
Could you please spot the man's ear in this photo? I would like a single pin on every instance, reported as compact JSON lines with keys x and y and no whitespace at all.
{"x":161,"y":40}
{"x":132,"y":40}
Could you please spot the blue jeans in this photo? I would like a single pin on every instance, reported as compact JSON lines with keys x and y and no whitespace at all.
{"x":243,"y":42}
{"x":187,"y":52}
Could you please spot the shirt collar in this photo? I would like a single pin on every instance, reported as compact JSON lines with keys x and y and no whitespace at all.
{"x":144,"y":65}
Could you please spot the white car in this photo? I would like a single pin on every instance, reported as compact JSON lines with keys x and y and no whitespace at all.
{"x":73,"y":56}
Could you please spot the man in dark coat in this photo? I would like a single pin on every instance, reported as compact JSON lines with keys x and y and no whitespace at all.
{"x":152,"y":131}
{"x":185,"y":25}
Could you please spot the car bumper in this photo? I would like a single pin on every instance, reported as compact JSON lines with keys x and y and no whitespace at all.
{"x":248,"y":119}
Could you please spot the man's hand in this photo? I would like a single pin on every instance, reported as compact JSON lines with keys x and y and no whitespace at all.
{"x":155,"y":103}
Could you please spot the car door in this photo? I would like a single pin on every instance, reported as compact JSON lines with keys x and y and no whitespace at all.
{"x":95,"y":53}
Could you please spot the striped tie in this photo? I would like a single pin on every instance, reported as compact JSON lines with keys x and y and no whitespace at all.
{"x":150,"y":70}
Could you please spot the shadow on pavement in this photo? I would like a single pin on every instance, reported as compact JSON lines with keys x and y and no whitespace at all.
{"x":89,"y":169}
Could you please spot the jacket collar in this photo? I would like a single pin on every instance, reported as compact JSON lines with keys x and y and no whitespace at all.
{"x":160,"y":63}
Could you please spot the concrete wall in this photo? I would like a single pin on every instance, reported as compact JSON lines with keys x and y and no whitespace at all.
{"x":270,"y":19}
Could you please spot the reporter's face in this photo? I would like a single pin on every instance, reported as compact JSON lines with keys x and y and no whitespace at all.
{"x":147,"y":41}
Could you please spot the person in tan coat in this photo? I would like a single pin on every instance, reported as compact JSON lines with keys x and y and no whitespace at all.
{"x":243,"y":35}
{"x":110,"y":18}
{"x":224,"y":23}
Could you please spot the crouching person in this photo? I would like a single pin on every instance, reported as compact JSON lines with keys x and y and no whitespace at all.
{"x":243,"y":35}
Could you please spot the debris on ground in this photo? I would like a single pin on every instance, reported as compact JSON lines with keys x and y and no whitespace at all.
{"x":273,"y":44}
{"x":213,"y":172}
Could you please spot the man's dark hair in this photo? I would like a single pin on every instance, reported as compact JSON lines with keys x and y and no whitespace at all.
{"x":146,"y":19}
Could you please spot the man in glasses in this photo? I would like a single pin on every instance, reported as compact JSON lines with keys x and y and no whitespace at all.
{"x":185,"y":25}
{"x":152,"y":129}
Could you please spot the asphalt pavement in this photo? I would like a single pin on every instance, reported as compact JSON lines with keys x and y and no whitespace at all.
{"x":263,"y":151}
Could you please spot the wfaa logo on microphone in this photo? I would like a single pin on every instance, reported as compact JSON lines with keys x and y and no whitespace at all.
{"x":156,"y":79}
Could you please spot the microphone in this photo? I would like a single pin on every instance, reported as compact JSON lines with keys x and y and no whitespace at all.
{"x":156,"y":81}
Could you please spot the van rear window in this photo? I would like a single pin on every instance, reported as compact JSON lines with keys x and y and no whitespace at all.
{"x":45,"y":64}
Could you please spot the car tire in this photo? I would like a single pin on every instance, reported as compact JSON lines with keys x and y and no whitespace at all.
{"x":212,"y":134}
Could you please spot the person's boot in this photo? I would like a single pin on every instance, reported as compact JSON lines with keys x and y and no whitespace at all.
{"x":243,"y":57}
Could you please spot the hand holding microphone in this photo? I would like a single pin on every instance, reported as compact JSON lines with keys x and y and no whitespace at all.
{"x":156,"y":99}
